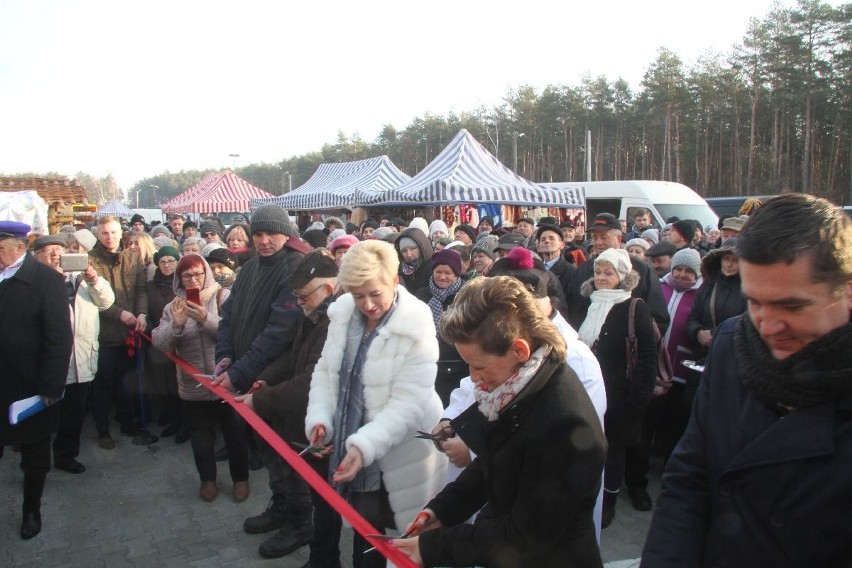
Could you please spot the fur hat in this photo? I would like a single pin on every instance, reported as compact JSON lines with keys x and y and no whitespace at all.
{"x":86,"y":238}
{"x":164,"y":252}
{"x":315,"y":237}
{"x":271,"y":219}
{"x":689,"y":258}
{"x":449,"y":257}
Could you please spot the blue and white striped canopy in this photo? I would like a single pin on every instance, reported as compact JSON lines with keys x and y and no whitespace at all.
{"x":114,"y":208}
{"x":333,"y":186}
{"x":465,"y":172}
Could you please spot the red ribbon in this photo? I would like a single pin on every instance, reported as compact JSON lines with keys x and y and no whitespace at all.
{"x":313,"y":479}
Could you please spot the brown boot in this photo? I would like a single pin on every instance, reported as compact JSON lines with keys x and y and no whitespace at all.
{"x":209,"y":491}
{"x":241,"y":491}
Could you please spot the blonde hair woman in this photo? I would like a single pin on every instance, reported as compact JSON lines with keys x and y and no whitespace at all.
{"x":539,"y":444}
{"x":372,"y":389}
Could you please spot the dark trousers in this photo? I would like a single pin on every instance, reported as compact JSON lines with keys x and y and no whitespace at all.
{"x":325,"y":544}
{"x":35,"y":461}
{"x":203,"y":417}
{"x":283,"y":479}
{"x":72,"y":408}
{"x":665,"y":421}
{"x":375,"y":508}
{"x":114,"y":370}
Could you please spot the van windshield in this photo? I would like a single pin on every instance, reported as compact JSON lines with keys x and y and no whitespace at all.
{"x":701,"y":213}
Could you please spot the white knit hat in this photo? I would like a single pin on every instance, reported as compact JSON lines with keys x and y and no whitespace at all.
{"x":420,"y":223}
{"x":618,"y":258}
{"x":637,"y":243}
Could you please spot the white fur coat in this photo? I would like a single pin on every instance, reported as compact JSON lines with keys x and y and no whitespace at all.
{"x":399,"y":396}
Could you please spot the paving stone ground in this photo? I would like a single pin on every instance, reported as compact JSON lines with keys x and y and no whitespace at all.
{"x":138,"y":507}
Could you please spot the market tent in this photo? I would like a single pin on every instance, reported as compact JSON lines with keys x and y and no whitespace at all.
{"x":115,"y":208}
{"x":216,"y":193}
{"x":465,"y":172}
{"x":333,"y":186}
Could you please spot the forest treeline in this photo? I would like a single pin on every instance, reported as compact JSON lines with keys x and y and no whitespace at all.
{"x":773,"y":113}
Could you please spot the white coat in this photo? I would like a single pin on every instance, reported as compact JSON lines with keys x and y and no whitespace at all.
{"x":86,"y":323}
{"x":399,"y":398}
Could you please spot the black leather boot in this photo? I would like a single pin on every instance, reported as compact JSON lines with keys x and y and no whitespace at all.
{"x":269,"y":520}
{"x":295,"y":533}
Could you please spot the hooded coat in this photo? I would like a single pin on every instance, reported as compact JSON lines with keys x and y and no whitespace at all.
{"x":196,"y":342}
{"x":420,"y":278}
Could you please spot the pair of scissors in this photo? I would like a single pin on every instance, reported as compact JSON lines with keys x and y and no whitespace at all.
{"x":407,"y":534}
{"x":444,"y":434}
{"x":308,"y":448}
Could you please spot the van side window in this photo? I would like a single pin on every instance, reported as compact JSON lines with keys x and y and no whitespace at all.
{"x":595,"y":206}
{"x":633,"y":211}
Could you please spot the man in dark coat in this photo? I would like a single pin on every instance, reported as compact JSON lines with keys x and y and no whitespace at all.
{"x":35,"y":354}
{"x":283,"y":402}
{"x":606,"y":233}
{"x":760,"y":477}
{"x":550,"y":244}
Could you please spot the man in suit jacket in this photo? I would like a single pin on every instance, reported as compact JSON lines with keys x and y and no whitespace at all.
{"x":34,"y":355}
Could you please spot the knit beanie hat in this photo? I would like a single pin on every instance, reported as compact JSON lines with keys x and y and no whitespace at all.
{"x":210,"y":227}
{"x":161,"y":241}
{"x":419,"y":223}
{"x":210,"y":247}
{"x":336,"y":233}
{"x":382,"y":232}
{"x":369,"y":223}
{"x":86,"y":238}
{"x":619,"y":259}
{"x":487,"y":245}
{"x":343,"y":241}
{"x":161,"y":230}
{"x":637,"y":243}
{"x":652,"y":235}
{"x":407,"y":242}
{"x":164,"y":252}
{"x":689,"y":258}
{"x":448,"y":257}
{"x":466,"y":229}
{"x":438,"y":225}
{"x":686,"y":228}
{"x":222,"y":256}
{"x":270,"y":219}
{"x":315,"y":237}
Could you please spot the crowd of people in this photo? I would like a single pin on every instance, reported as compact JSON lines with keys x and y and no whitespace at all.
{"x":486,"y":391}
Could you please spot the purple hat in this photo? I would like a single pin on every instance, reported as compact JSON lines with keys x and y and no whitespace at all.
{"x":449,"y":257}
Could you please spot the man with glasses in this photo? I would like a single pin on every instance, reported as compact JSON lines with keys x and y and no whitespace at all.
{"x":35,"y":354}
{"x":259,"y":318}
{"x":211,"y":232}
{"x":283,"y":403}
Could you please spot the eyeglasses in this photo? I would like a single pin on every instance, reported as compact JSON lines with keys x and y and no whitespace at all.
{"x":189,"y":276}
{"x":167,"y":261}
{"x":208,"y":234}
{"x":304,"y":297}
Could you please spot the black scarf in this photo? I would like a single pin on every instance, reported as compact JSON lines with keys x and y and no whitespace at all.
{"x":820,"y":372}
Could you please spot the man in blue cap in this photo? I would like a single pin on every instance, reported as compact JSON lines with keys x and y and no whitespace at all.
{"x":35,"y":354}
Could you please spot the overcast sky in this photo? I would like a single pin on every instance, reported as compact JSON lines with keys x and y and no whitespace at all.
{"x":134,"y":89}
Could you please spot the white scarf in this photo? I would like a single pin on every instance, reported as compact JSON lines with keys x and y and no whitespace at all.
{"x":491,"y":403}
{"x":602,"y":303}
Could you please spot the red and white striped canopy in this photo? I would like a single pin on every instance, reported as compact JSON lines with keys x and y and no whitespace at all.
{"x":216,"y":193}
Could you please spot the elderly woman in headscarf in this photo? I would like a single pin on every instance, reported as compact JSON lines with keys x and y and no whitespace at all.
{"x":443,"y":286}
{"x":628,"y":391}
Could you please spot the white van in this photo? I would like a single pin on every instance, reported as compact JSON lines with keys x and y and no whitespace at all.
{"x":663,"y":199}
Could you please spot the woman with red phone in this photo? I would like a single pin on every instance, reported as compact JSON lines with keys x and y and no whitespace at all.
{"x":188,"y":328}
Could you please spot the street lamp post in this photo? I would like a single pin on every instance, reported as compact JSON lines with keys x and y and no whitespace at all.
{"x":154,"y":189}
{"x":515,"y":137}
{"x":234,"y":156}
